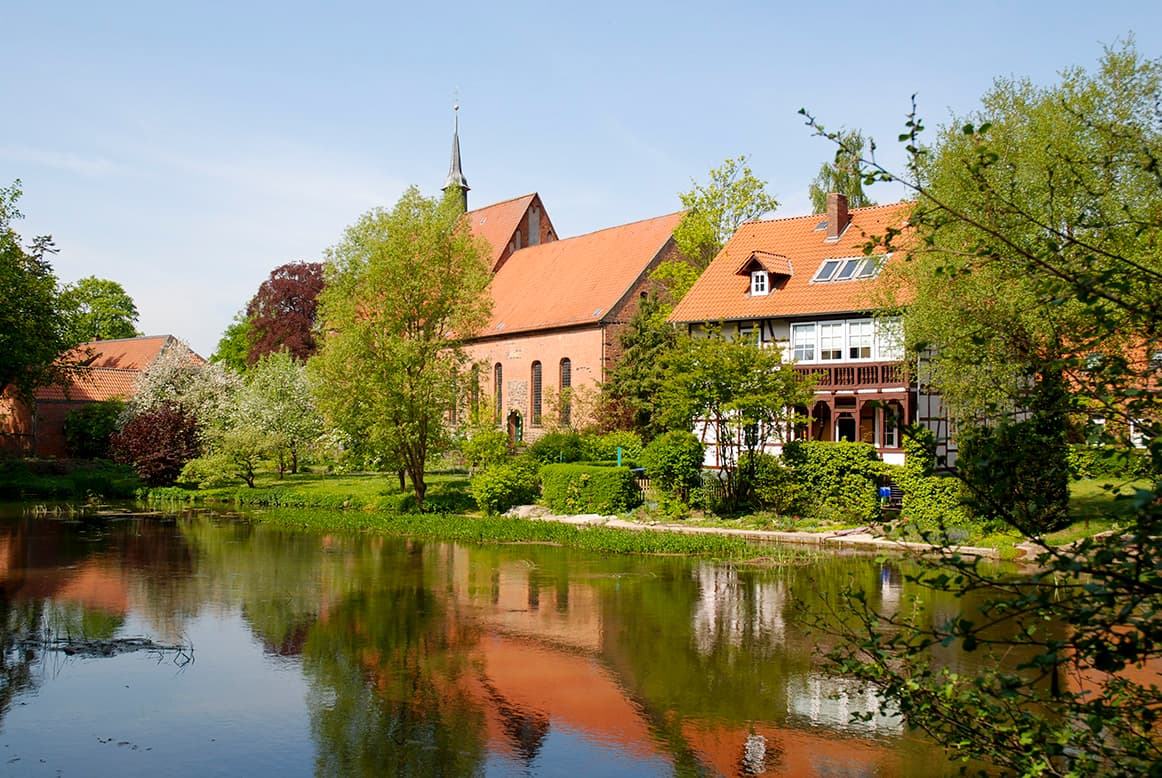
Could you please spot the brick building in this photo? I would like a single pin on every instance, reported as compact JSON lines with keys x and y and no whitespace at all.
{"x":559,"y":306}
{"x":108,"y":370}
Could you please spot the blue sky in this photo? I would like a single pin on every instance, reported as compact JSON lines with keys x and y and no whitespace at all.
{"x":187,"y":149}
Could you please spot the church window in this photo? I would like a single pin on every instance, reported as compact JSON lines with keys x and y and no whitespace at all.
{"x":536,"y":394}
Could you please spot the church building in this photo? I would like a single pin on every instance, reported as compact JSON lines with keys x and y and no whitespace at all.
{"x":559,"y":307}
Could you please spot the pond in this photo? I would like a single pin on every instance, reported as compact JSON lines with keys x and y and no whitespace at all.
{"x":273,"y":652}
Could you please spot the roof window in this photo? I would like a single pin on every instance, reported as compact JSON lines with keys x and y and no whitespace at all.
{"x":848,"y":268}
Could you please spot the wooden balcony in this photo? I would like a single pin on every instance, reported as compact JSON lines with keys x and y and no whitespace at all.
{"x":856,"y":375}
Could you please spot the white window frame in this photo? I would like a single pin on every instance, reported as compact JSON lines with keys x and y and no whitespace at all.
{"x":833,"y":340}
{"x":803,"y":341}
{"x":760,"y":284}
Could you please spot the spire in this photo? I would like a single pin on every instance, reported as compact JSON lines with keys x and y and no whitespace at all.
{"x":455,"y":174}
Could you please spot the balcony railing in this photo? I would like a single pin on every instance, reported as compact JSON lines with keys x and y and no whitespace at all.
{"x":859,"y":375}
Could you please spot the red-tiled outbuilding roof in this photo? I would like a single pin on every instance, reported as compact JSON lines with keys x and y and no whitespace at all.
{"x":110,"y":368}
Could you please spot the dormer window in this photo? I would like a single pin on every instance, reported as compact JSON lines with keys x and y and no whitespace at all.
{"x":759,"y":283}
{"x":767,"y":272}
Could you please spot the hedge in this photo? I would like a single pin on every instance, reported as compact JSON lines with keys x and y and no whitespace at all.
{"x":573,"y":488}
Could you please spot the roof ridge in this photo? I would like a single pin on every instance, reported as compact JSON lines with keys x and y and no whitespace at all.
{"x":502,"y":202}
{"x":608,"y":229}
{"x":852,"y":212}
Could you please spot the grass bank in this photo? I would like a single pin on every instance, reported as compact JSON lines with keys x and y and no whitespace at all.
{"x":484,"y":530}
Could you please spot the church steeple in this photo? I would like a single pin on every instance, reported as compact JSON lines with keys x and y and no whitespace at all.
{"x":455,"y":174}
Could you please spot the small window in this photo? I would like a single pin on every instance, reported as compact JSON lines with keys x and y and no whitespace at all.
{"x":831,"y":341}
{"x":1156,"y":360}
{"x":758,"y":283}
{"x":867,"y":268}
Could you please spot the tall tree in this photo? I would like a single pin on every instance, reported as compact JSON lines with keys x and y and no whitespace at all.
{"x":1035,"y":280}
{"x":714,"y":210}
{"x":33,"y":326}
{"x":630,"y":394}
{"x":404,"y":288}
{"x":843,"y":174}
{"x":99,"y":309}
{"x":281,"y":314}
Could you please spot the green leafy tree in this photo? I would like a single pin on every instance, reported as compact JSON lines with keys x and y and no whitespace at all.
{"x":33,"y":325}
{"x":404,"y":288}
{"x":99,"y":309}
{"x":713,"y":212}
{"x":88,"y":429}
{"x":1037,"y":236}
{"x":234,"y":345}
{"x":842,"y":175}
{"x":742,"y":393}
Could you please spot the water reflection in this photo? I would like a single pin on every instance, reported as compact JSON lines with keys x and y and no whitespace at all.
{"x":426,"y":658}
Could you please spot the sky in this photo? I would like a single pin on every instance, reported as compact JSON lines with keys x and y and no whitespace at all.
{"x":185,"y":150}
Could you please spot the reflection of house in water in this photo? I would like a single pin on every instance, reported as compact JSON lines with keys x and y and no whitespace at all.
{"x":540,"y":670}
{"x":732,"y":613}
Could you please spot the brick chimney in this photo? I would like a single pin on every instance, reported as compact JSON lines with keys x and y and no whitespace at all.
{"x":837,"y":217}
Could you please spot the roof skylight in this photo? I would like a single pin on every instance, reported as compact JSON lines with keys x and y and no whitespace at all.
{"x":848,"y":268}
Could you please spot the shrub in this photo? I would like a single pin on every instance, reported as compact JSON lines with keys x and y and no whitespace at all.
{"x":485,"y":447}
{"x":571,"y":488}
{"x":500,"y":487}
{"x":556,"y":447}
{"x":88,"y":429}
{"x":1108,"y":461}
{"x":932,"y":504}
{"x":673,"y":461}
{"x":768,"y":484}
{"x":158,"y":443}
{"x":838,"y":481}
{"x":598,"y":448}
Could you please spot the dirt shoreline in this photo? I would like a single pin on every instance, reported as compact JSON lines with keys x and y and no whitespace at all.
{"x":858,"y":540}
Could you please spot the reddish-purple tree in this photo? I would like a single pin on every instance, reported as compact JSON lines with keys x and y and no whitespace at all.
{"x":158,"y":443}
{"x":282,"y":312}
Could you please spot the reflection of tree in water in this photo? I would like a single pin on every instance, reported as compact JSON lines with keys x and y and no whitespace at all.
{"x":390,"y":676}
{"x":526,"y":728}
{"x":17,"y":661}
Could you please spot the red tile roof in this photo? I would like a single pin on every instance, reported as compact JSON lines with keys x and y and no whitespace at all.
{"x":574,"y":281}
{"x":721,"y":294}
{"x":496,"y":223}
{"x":111,"y":368}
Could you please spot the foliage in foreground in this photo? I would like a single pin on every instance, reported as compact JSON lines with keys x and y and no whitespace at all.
{"x":1040,"y":233}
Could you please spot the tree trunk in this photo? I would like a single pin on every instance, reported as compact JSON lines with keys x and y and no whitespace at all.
{"x":402,"y":480}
